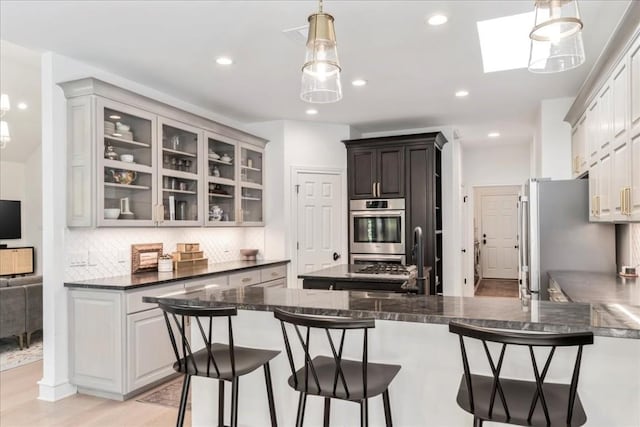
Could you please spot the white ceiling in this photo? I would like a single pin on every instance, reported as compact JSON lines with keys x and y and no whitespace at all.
{"x":413,"y":69}
{"x":20,"y":79}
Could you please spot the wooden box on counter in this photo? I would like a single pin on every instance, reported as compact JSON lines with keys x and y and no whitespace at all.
{"x":188,"y":247}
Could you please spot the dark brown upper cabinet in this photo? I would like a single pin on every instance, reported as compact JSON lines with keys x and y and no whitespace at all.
{"x":376,"y":172}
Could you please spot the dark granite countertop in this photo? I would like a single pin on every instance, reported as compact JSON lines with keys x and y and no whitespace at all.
{"x":592,"y":287}
{"x":610,"y":320}
{"x":349,"y":272}
{"x":140,"y":280}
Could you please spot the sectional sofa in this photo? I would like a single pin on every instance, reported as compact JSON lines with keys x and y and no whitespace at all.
{"x":20,"y":307}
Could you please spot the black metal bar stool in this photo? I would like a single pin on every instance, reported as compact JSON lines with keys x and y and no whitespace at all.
{"x":522,"y":402}
{"x":219,"y":361}
{"x":333,"y":377}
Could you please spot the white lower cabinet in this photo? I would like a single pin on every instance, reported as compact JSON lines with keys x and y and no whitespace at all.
{"x":150,"y":354}
{"x":96,"y":341}
{"x":119,"y":345}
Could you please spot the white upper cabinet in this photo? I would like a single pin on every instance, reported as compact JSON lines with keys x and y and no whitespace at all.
{"x":620,"y":101}
{"x":594,"y":184}
{"x":607,"y":135}
{"x":593,"y":130}
{"x":136,"y":162}
{"x":605,"y":115}
{"x":580,"y":159}
{"x":127,"y":145}
{"x":634,"y":126}
{"x":180,"y":174}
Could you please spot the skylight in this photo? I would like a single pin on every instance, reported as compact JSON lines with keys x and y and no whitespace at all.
{"x":504,"y":42}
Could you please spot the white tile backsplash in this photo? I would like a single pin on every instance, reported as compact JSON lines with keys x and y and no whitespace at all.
{"x":107,"y":251}
{"x":635,"y":244}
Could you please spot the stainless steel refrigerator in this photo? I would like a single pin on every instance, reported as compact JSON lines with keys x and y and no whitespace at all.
{"x":555,"y":234}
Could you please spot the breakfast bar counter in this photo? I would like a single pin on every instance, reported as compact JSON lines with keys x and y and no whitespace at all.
{"x":593,"y":287}
{"x":412,"y":331}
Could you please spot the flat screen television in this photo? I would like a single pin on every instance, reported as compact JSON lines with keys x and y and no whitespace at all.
{"x":10,"y":222}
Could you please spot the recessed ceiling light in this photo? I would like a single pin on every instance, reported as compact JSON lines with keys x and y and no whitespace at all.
{"x":115,"y":117}
{"x":311,"y":111}
{"x":462,"y":93}
{"x":437,"y":20}
{"x":224,"y":60}
{"x":22,"y":106}
{"x":493,"y":134}
{"x":359,"y":82}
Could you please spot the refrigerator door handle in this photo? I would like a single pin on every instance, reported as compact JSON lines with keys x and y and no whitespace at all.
{"x":524,"y":244}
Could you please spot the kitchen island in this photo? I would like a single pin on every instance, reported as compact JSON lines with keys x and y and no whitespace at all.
{"x":412,"y":331}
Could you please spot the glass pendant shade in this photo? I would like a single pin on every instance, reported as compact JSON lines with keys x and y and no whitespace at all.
{"x":321,"y":70}
{"x":556,"y":38}
{"x":4,"y":134}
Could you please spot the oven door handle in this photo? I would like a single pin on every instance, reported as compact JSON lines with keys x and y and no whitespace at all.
{"x":375,"y":214}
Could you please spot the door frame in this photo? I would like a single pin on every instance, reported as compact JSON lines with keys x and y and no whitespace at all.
{"x":344,"y":244}
{"x":478,"y":193}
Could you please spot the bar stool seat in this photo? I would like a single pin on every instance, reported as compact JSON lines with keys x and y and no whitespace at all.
{"x":379,"y":376}
{"x":519,"y":401}
{"x":518,"y":394}
{"x":246,"y":360}
{"x":334,"y":377}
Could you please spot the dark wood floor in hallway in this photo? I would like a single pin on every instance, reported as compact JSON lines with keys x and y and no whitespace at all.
{"x":497,"y":288}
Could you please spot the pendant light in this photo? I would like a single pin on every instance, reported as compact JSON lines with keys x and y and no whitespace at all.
{"x":556,"y":37}
{"x":321,"y":70}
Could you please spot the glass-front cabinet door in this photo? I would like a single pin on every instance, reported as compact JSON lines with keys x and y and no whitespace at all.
{"x":126,"y":177}
{"x":179,"y":174}
{"x":251,"y":184}
{"x":221,"y":209}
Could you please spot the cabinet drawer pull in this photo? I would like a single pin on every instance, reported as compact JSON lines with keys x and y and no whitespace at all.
{"x":246,"y":279}
{"x":373,"y":189}
{"x":274,"y":274}
{"x":628,"y":199}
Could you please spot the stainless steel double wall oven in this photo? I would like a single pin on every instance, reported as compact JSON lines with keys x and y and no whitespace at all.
{"x":377,"y":231}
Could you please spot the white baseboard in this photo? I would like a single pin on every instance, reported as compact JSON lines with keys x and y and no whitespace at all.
{"x":52,"y":393}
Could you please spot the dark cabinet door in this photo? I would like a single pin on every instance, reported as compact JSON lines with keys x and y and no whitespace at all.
{"x":390,"y":172}
{"x":421,"y":209}
{"x":362,"y":173}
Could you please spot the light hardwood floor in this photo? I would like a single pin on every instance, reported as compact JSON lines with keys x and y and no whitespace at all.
{"x":19,"y":406}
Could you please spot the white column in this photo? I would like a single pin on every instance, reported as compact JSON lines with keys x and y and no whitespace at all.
{"x":55,"y":383}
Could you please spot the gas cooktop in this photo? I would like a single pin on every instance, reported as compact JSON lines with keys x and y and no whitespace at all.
{"x":387,"y":269}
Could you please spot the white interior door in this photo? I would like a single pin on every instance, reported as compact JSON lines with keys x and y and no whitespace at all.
{"x":498,"y":246}
{"x":320,"y":233}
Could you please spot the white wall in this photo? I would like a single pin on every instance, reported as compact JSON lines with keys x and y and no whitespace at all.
{"x":303,"y":145}
{"x":497,"y":165}
{"x":22,"y":181}
{"x":59,"y":242}
{"x":552,"y":141}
